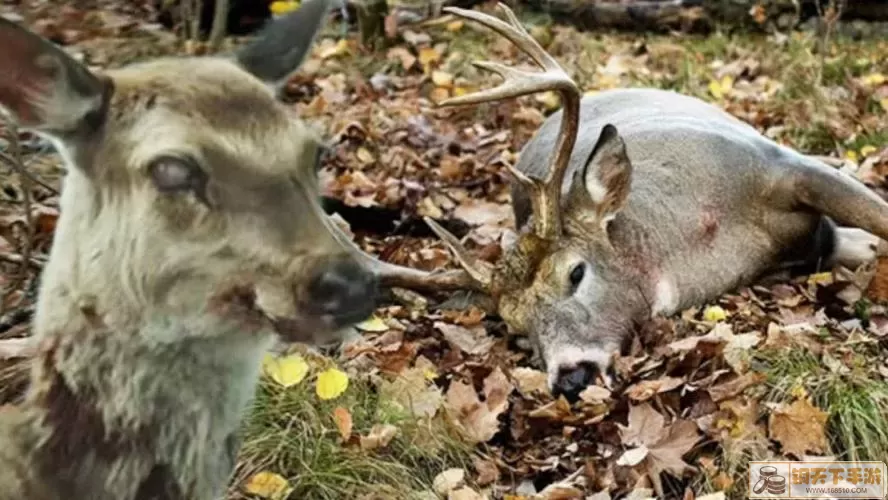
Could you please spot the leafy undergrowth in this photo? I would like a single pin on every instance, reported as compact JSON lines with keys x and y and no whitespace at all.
{"x":441,"y":402}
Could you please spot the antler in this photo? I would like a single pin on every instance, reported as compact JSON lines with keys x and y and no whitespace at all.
{"x":545,"y":194}
{"x":414,"y":279}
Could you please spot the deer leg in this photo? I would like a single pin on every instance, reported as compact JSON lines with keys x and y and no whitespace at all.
{"x":839,"y":196}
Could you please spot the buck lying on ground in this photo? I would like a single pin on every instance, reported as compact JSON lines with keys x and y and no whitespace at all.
{"x":665,"y":202}
{"x":190,"y":233}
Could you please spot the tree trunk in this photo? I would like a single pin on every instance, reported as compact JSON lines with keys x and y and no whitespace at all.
{"x":220,"y":25}
{"x":371,"y":23}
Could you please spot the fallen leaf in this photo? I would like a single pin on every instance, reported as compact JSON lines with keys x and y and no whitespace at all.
{"x":470,"y":340}
{"x":714,"y":313}
{"x":659,"y":448}
{"x":465,"y":493}
{"x":634,"y":456}
{"x":287,"y":371}
{"x":799,"y":428}
{"x":530,"y":381}
{"x":343,"y":420}
{"x":449,"y":480}
{"x":453,"y":26}
{"x":488,"y":472}
{"x":332,"y":382}
{"x":380,"y":436}
{"x":280,"y":8}
{"x":442,"y":79}
{"x":269,"y":485}
{"x":646,"y":389}
{"x":373,"y":324}
{"x":478,"y":421}
{"x":411,"y":391}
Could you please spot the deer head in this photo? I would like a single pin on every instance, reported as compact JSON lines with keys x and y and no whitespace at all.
{"x":557,"y":282}
{"x":189,"y":190}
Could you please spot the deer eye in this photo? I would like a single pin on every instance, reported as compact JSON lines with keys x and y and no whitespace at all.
{"x":173,"y":173}
{"x":577,"y":274}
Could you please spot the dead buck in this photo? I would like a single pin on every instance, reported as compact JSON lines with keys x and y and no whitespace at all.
{"x":638,"y":202}
{"x":190,"y":234}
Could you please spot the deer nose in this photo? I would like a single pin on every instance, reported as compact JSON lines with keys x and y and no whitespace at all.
{"x":571,"y":382}
{"x":344,"y":290}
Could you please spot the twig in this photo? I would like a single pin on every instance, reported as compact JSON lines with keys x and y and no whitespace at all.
{"x":5,"y":158}
{"x":15,"y":258}
{"x":26,"y":186}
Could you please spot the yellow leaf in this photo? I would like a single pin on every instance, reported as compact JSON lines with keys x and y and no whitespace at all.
{"x":280,"y":8}
{"x":714,"y":313}
{"x":454,"y":26}
{"x":719,"y":88}
{"x":591,"y":92}
{"x":268,"y":485}
{"x":332,"y":382}
{"x":340,"y":48}
{"x":427,"y":57}
{"x":550,"y":100}
{"x":820,"y":278}
{"x":884,"y":103}
{"x":442,"y":78}
{"x":430,"y":374}
{"x":374,"y":323}
{"x":867,"y":150}
{"x":461,"y":91}
{"x":852,"y":155}
{"x":365,"y":156}
{"x":286,"y":371}
{"x":873,"y":79}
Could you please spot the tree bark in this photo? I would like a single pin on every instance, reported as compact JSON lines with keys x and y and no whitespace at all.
{"x":371,"y":23}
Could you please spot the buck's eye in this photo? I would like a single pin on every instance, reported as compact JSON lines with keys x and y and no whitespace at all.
{"x":173,"y":173}
{"x":577,"y":274}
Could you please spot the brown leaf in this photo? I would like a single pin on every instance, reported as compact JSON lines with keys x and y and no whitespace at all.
{"x":736,"y":386}
{"x":379,"y":437}
{"x":488,"y":472}
{"x":645,"y":426}
{"x":412,"y":390}
{"x":646,"y":389}
{"x":799,"y":428}
{"x":530,"y":381}
{"x":478,"y":422}
{"x":471,"y":341}
{"x":343,"y":420}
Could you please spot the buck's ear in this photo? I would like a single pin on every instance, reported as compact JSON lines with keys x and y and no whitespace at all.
{"x":44,"y":89}
{"x":603,"y":183}
{"x":282,"y":45}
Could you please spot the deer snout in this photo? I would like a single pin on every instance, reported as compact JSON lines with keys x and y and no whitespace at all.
{"x":571,"y":382}
{"x":343,"y":291}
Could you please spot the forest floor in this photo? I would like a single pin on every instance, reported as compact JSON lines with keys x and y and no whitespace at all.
{"x":437,"y":401}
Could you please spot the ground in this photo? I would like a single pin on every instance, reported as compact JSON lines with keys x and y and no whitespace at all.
{"x":433,"y":399}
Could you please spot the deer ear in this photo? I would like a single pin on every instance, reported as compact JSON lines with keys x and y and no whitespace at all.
{"x":603,"y":183}
{"x":282,"y":45}
{"x":44,"y":89}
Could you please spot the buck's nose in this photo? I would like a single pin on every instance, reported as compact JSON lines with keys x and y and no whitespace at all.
{"x":345,"y":291}
{"x":571,"y":382}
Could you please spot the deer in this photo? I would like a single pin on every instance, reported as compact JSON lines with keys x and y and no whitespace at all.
{"x":191,"y":236}
{"x":633,"y":203}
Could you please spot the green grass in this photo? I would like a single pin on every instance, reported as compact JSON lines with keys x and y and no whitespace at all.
{"x":292,"y":432}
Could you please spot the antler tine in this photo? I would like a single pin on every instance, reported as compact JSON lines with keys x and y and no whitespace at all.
{"x":480,"y":271}
{"x":545,"y":194}
{"x":414,"y":279}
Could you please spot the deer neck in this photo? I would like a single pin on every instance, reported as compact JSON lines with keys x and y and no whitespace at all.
{"x":146,"y":406}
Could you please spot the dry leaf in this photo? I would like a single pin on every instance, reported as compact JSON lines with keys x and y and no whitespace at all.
{"x":478,"y":422}
{"x":373,"y":324}
{"x":646,"y":389}
{"x":380,"y":436}
{"x":449,"y":480}
{"x":343,"y":420}
{"x":269,"y":485}
{"x":412,"y":391}
{"x":799,"y":428}
{"x":470,"y":340}
{"x":530,"y":381}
